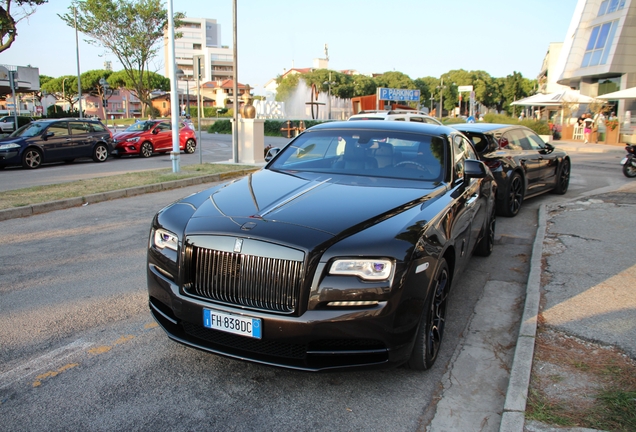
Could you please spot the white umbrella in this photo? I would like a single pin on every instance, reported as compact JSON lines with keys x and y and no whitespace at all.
{"x":555,"y":99}
{"x":629,"y":93}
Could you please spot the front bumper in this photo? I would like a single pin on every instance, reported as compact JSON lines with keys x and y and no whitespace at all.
{"x":314,"y":341}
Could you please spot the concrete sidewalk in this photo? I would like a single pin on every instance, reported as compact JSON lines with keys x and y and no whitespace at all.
{"x":591,"y":293}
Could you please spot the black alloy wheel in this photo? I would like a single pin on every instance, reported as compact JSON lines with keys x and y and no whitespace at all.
{"x":563,"y":179}
{"x":146,"y":150}
{"x":629,"y":169}
{"x":32,"y":158}
{"x":514,"y":197}
{"x":430,"y":330}
{"x":190,"y":146}
{"x":100,"y":153}
{"x":487,"y":242}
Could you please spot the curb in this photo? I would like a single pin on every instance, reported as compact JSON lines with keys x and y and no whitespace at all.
{"x":513,"y":417}
{"x":46,"y":207}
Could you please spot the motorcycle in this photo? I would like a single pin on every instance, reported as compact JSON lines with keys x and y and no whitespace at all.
{"x":629,"y":162}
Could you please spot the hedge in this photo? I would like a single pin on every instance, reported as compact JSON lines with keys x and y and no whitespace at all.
{"x":272,"y":127}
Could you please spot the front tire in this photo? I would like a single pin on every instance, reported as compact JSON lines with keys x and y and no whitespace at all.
{"x":563,"y":180}
{"x":100,"y":153}
{"x":190,"y":146}
{"x":32,"y":158}
{"x":430,"y":330}
{"x":629,"y":170}
{"x":514,"y":197}
{"x":146,"y":150}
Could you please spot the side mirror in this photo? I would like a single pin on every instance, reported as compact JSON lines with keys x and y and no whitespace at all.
{"x":474,"y":169}
{"x":271,"y":153}
{"x":549,"y":148}
{"x":48,"y":135}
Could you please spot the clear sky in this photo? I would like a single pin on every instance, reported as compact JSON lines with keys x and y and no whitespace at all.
{"x":417,"y":37}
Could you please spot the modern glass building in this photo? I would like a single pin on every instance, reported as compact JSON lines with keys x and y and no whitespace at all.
{"x":598,"y":55}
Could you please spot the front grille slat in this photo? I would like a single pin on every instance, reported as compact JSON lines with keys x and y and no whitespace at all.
{"x":258,"y":282}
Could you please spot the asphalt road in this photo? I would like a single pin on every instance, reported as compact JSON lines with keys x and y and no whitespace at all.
{"x":81,"y":352}
{"x":216,"y":148}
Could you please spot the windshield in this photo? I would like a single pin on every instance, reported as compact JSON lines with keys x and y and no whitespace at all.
{"x":140,"y":126}
{"x":30,"y":130}
{"x":367,"y":153}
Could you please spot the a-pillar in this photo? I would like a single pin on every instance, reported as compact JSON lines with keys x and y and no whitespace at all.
{"x":251,"y":141}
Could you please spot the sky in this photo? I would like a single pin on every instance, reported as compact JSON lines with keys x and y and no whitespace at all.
{"x":417,"y":37}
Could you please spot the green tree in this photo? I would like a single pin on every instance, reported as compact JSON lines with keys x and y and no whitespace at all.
{"x":9,"y":19}
{"x":427,"y":87}
{"x":515,"y":87}
{"x":130,"y":29}
{"x":286,"y":86}
{"x":363,"y":85}
{"x":63,"y":88}
{"x":153,"y":80}
{"x":91,"y":84}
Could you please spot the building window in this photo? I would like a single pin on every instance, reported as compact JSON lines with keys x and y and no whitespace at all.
{"x":196,"y":46}
{"x":609,"y":6}
{"x":599,"y":44}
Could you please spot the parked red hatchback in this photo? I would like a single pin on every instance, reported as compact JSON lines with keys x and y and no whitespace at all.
{"x":152,"y":136}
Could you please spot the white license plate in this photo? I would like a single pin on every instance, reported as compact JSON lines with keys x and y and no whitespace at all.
{"x":237,"y":324}
{"x":624,"y":161}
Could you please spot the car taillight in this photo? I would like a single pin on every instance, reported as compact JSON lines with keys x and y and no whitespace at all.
{"x":493,"y":164}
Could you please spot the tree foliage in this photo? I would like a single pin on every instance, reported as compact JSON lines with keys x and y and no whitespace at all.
{"x":10,"y":17}
{"x":63,"y":88}
{"x":131,"y":30}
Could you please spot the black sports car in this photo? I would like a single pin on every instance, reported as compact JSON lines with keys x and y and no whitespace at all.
{"x":523,"y":164}
{"x":339,"y":253}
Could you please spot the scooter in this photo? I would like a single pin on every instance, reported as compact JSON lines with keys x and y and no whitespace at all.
{"x":629,"y":162}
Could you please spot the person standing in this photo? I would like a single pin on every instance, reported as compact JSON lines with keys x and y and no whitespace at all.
{"x":588,"y":123}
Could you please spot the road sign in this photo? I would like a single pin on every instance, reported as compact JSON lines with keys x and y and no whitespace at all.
{"x":467,"y":88}
{"x":198,"y":65}
{"x":398,"y":94}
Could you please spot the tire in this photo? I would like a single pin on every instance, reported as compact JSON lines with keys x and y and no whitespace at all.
{"x":563,"y":179}
{"x":190,"y":146}
{"x":146,"y":150}
{"x":511,"y":204}
{"x":32,"y":158}
{"x":629,"y":170}
{"x":487,"y":242}
{"x":100,"y":153}
{"x":430,"y":330}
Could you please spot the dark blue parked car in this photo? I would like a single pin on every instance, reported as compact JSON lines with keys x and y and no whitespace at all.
{"x":54,"y":140}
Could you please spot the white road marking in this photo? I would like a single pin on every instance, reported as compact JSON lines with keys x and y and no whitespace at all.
{"x":46,"y":361}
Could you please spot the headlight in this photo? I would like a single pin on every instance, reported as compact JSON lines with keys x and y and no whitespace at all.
{"x":367,"y":269}
{"x":135,"y":139}
{"x":165,"y":239}
{"x":9,"y":146}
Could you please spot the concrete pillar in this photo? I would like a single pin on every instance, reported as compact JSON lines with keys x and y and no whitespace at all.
{"x":251,"y":141}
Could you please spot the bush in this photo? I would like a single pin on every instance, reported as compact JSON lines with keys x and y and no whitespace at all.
{"x":272,"y":127}
{"x":453,"y":120}
{"x":540,"y":127}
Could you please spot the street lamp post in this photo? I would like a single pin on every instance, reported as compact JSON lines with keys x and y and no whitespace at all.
{"x":432,"y":98}
{"x":105,"y":90}
{"x":441,"y":88}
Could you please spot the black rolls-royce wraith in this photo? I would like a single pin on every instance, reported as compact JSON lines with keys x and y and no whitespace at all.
{"x":339,"y":253}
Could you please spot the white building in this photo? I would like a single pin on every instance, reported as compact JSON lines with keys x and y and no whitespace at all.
{"x":200,"y":37}
{"x":598,"y":55}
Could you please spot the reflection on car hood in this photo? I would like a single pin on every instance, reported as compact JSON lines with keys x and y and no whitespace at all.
{"x":124,"y":135}
{"x":8,"y":140}
{"x":323,"y":202}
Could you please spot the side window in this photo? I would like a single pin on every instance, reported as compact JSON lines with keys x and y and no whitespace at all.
{"x":164,"y":126}
{"x":459,"y":155}
{"x":78,"y":128}
{"x":98,"y":127}
{"x":535,"y":140}
{"x":509,"y":141}
{"x":59,"y":129}
{"x":523,"y":139}
{"x":417,"y":119}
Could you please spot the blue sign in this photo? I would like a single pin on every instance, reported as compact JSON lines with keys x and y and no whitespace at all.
{"x":399,"y":94}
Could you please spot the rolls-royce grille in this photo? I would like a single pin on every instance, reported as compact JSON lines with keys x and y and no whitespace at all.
{"x":257,"y":282}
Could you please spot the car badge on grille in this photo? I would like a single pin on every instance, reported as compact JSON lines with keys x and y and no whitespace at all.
{"x":238,"y":245}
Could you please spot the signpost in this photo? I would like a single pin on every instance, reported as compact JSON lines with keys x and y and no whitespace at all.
{"x":391,"y":94}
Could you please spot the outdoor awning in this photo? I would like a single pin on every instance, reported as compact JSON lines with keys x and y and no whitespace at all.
{"x":629,"y":93}
{"x":555,"y":99}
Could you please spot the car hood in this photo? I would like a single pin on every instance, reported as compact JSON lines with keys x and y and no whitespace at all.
{"x":120,"y":136}
{"x":269,"y":203}
{"x":11,"y":140}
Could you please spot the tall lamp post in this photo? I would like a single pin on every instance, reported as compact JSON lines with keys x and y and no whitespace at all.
{"x":105,"y":90}
{"x":441,"y":88}
{"x":432,"y":98}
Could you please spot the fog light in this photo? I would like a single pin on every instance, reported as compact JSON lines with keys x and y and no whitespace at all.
{"x":352,"y":303}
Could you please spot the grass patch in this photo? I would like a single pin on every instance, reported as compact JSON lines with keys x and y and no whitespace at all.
{"x":579,"y":383}
{"x":40,"y":194}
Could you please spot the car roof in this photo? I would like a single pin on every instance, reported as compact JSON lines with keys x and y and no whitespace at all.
{"x":486,"y":127}
{"x":413,"y":127}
